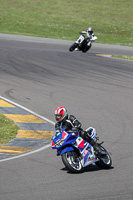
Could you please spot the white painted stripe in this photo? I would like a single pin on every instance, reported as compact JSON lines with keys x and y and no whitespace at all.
{"x":44,"y":118}
{"x":26,"y":109}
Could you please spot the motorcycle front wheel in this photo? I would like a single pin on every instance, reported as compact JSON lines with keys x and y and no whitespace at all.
{"x":105,"y":160}
{"x":72,"y":162}
{"x":73,"y":46}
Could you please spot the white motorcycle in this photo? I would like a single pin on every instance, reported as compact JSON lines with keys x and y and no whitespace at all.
{"x":83,"y":43}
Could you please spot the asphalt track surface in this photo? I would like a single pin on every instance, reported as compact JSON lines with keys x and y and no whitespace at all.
{"x":42,"y":74}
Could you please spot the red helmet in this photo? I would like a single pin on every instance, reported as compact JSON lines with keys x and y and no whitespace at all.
{"x":60,"y":113}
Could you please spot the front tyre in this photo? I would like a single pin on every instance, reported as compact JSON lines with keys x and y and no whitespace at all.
{"x":105,"y":160}
{"x":72,"y":162}
{"x":73,"y":46}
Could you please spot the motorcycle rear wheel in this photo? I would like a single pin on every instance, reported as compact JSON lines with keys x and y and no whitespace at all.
{"x":72,"y":162}
{"x":85,"y":49}
{"x":105,"y":161}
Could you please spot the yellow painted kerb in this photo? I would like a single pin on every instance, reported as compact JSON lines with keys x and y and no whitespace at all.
{"x":25,"y":118}
{"x":30,"y":134}
{"x":5,"y":104}
{"x":108,"y":55}
{"x":15,"y":150}
{"x":35,"y":134}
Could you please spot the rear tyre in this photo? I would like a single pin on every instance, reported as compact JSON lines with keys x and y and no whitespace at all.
{"x":105,"y":160}
{"x":86,"y":48}
{"x":73,"y":46}
{"x":72,"y":162}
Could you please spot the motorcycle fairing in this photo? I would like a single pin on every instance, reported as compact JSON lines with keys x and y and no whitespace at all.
{"x":80,"y":39}
{"x":85,"y":149}
{"x":89,"y":156}
{"x":62,"y":138}
{"x":67,"y":149}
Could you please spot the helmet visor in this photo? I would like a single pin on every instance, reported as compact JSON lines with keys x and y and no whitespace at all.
{"x":58,"y":117}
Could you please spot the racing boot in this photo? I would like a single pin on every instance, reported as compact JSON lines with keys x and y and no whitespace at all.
{"x":87,"y":136}
{"x":95,"y":146}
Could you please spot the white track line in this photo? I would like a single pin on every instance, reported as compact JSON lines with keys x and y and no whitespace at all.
{"x":44,"y":118}
{"x":26,"y":154}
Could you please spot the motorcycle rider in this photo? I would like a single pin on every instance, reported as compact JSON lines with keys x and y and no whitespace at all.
{"x":71,"y":124}
{"x":89,"y":33}
{"x":89,"y":36}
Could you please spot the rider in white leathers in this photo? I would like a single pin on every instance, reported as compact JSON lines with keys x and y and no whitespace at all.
{"x":89,"y":34}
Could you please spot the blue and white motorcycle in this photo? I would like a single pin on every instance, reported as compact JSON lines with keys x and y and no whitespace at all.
{"x":76,"y":153}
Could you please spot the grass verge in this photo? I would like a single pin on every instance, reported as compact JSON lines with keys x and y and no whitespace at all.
{"x":8,"y":130}
{"x":111,"y":20}
{"x":123,"y":57}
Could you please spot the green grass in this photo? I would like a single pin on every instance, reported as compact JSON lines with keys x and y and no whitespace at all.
{"x":8,"y":130}
{"x":112,"y":20}
{"x":124,"y":57}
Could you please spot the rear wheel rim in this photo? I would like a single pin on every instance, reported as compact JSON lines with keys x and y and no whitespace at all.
{"x":106,"y":159}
